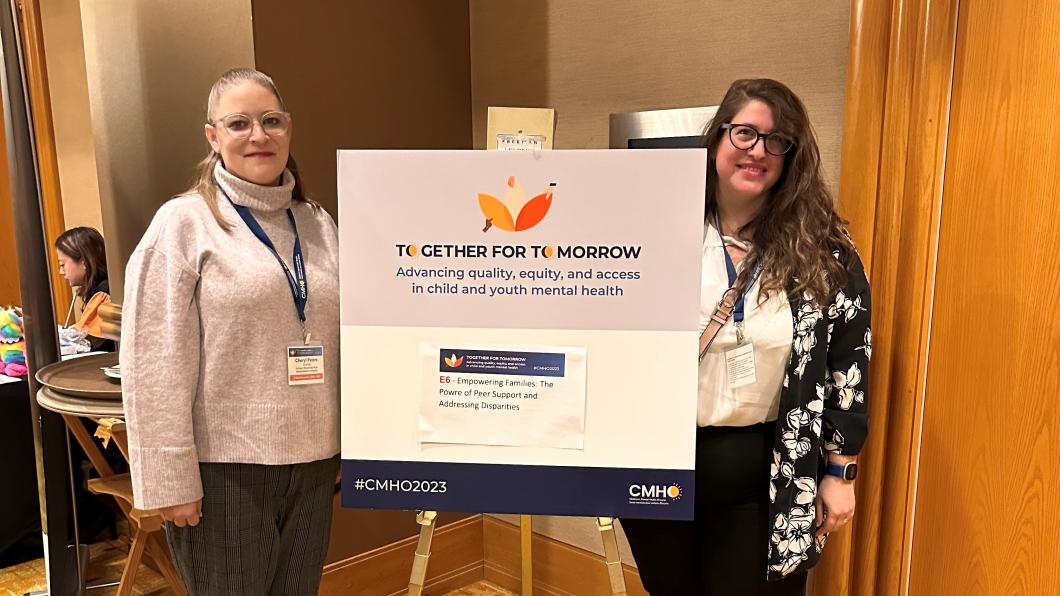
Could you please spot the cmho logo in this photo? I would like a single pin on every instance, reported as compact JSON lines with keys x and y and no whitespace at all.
{"x":514,"y":212}
{"x":454,"y":361}
{"x":672,"y":492}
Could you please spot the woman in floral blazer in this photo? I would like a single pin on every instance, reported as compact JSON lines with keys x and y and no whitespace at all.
{"x":823,"y":415}
{"x":782,"y":402}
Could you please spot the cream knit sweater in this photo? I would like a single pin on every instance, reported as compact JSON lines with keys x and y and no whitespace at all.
{"x":207,"y":317}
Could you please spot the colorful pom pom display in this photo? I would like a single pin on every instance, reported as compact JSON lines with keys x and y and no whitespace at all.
{"x":12,"y":344}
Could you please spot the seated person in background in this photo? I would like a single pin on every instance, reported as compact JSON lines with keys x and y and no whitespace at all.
{"x":83,"y":262}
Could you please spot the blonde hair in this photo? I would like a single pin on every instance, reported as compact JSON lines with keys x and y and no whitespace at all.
{"x":205,"y":185}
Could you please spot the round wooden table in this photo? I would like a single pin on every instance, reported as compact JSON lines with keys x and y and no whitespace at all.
{"x":76,"y":389}
{"x":74,"y":405}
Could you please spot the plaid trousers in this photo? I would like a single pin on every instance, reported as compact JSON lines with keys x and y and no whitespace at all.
{"x":264,"y":530}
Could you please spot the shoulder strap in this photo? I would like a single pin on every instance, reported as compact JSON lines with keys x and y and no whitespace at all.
{"x":721,"y":315}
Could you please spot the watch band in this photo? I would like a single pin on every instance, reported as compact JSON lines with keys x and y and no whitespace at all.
{"x":848,"y":471}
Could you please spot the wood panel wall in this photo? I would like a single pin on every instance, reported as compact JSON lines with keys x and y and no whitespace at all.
{"x":967,"y":337}
{"x":988,"y":498}
{"x":898,"y":87}
{"x":559,"y":569}
{"x":36,"y":74}
{"x":9,"y":290}
{"x":456,"y":561}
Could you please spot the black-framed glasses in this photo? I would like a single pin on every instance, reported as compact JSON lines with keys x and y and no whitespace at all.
{"x":744,"y":137}
{"x":239,"y":126}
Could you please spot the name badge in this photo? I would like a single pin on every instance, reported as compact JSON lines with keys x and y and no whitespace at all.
{"x":740,"y":364}
{"x":305,"y":365}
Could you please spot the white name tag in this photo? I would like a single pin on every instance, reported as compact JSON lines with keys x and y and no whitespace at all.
{"x":305,"y":365}
{"x":740,"y":364}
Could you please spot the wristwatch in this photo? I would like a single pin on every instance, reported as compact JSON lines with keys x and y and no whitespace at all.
{"x":845,"y":471}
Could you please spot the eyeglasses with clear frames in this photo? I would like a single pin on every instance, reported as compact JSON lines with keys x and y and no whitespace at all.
{"x":240,"y":126}
{"x":744,"y":137}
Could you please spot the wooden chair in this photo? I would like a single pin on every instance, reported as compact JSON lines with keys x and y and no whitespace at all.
{"x":145,"y":525}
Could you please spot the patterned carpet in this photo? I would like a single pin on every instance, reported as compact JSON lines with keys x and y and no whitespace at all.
{"x":107,"y":558}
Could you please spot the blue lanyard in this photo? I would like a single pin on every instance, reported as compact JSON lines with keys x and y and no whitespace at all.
{"x":297,"y":281}
{"x":730,"y":269}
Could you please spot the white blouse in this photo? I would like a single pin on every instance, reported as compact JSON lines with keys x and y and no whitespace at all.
{"x":767,"y":326}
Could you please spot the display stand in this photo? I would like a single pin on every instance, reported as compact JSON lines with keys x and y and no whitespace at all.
{"x":533,"y":131}
{"x":526,"y":552}
{"x":606,"y":525}
{"x":426,"y":520}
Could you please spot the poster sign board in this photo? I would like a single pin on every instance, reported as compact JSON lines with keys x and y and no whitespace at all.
{"x":520,"y":330}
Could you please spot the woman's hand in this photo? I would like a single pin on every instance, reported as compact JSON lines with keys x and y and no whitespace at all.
{"x":181,"y":515}
{"x":835,"y":504}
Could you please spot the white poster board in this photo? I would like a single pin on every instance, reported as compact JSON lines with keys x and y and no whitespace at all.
{"x":520,"y":330}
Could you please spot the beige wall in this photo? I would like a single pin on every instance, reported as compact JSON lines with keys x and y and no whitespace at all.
{"x":590,"y":58}
{"x":150,"y":64}
{"x":367,"y":75}
{"x":74,"y":146}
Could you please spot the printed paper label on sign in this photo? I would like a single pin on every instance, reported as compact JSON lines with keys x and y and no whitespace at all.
{"x":526,"y":396}
{"x":305,"y":365}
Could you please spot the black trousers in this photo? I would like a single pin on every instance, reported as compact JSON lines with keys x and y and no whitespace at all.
{"x":264,"y":530}
{"x":724,"y":550}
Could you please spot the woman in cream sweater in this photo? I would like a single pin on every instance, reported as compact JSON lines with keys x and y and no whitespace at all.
{"x":233,"y":281}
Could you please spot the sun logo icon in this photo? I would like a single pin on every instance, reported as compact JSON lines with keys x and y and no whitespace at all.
{"x":453,"y":361}
{"x":514,"y":213}
{"x":674,"y":492}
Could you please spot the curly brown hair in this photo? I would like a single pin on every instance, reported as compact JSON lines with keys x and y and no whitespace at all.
{"x":798,"y":235}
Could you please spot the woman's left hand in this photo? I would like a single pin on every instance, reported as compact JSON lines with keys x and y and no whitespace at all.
{"x":835,"y":504}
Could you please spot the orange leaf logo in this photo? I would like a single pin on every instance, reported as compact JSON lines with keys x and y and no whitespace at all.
{"x":527,"y":213}
{"x":454,"y":362}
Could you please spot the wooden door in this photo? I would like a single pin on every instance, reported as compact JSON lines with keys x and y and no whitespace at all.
{"x":987,"y":504}
{"x":9,"y":291}
{"x":36,"y":75}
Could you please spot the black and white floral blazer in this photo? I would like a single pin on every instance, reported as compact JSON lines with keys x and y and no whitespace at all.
{"x":823,"y":408}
